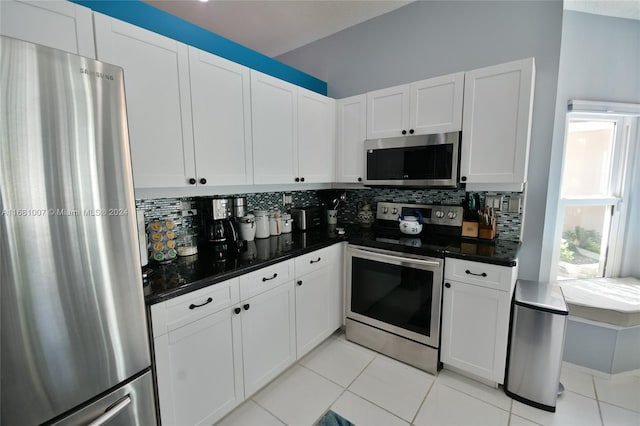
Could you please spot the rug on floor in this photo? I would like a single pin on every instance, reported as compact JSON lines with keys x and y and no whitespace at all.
{"x":332,"y":419}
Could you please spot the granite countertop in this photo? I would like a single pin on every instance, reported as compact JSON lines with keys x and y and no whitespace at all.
{"x":191,"y":273}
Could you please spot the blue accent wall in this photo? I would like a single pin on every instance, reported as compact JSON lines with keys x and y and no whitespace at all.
{"x":146,"y":16}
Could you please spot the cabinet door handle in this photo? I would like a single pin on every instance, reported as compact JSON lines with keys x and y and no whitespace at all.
{"x":315,"y":261}
{"x":299,"y":282}
{"x":269,"y":279}
{"x":301,"y":179}
{"x":447,"y":285}
{"x":468,"y":272}
{"x":203,"y":181}
{"x":237,"y":310}
{"x":192,"y":181}
{"x":192,"y":306}
{"x":359,"y":179}
{"x":463,"y":178}
{"x":411,"y":131}
{"x":404,"y":132}
{"x":297,"y":179}
{"x":246,"y":306}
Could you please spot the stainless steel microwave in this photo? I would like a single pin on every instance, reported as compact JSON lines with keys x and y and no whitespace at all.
{"x":419,"y":161}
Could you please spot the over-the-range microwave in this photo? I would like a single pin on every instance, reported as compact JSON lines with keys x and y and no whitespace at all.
{"x":427,"y":161}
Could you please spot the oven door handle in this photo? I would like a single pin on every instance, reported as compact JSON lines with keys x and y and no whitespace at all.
{"x":400,"y":259}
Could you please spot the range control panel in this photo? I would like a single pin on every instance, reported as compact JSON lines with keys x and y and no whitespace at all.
{"x":431,"y":214}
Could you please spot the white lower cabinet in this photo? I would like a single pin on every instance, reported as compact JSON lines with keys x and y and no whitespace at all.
{"x":318,"y":294}
{"x":475,"y":318}
{"x":216,"y":346}
{"x":198,"y":359}
{"x":268,"y":335}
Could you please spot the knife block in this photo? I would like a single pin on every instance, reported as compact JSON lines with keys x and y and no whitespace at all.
{"x":470,"y":229}
{"x":486,"y":232}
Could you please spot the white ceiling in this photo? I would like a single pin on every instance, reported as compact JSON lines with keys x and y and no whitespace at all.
{"x":629,"y":9}
{"x":276,"y":27}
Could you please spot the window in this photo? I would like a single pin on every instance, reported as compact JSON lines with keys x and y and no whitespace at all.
{"x":593,"y":194}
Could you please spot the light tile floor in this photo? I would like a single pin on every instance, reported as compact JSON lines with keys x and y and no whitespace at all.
{"x":370,"y":389}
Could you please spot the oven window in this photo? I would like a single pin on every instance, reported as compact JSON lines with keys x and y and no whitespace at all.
{"x":420,"y":162}
{"x":393,"y":294}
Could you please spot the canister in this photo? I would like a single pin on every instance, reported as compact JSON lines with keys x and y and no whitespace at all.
{"x":247,"y":226}
{"x":275,"y":223}
{"x":287,"y":223}
{"x":262,"y":223}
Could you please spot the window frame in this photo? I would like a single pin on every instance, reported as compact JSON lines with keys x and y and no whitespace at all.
{"x":624,"y":145}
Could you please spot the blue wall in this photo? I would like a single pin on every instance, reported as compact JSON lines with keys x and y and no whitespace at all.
{"x":143,"y":15}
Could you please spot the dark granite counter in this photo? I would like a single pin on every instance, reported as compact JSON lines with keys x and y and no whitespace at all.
{"x":190,"y":273}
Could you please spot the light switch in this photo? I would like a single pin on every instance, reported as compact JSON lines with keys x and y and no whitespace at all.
{"x":514,"y":204}
{"x":494,"y":201}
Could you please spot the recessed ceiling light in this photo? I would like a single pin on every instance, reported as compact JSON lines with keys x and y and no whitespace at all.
{"x":204,"y":1}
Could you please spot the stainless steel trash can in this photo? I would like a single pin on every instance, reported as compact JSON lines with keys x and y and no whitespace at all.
{"x":536,"y":344}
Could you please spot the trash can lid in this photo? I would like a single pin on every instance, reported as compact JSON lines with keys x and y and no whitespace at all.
{"x":543,"y":296}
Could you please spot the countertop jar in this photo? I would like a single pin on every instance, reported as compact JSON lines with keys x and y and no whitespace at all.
{"x":275,"y":223}
{"x":262,"y":223}
{"x":287,"y":223}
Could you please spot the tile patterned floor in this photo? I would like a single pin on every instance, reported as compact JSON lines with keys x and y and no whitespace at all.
{"x":370,"y":389}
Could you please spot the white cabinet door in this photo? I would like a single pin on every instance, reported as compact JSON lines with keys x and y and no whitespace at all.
{"x":268,"y":335}
{"x":58,"y":24}
{"x":498,"y":103}
{"x":156,"y":76}
{"x":199,"y":370}
{"x":274,"y":111}
{"x":475,"y":322}
{"x":436,"y":104}
{"x":221,"y":108}
{"x":316,"y":137}
{"x":313,"y":310}
{"x":351,"y":133}
{"x":388,"y":112}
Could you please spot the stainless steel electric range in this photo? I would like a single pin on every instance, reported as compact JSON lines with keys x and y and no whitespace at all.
{"x":394,"y":282}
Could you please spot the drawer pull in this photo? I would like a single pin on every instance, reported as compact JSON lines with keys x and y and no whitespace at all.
{"x":192,"y":306}
{"x":246,"y":306}
{"x":237,"y":310}
{"x":269,"y":279}
{"x":447,"y":285}
{"x":468,"y":272}
{"x":315,"y":261}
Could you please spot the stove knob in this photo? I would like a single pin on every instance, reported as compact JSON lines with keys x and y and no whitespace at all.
{"x":452,"y":214}
{"x":439,"y":214}
{"x":395,"y":211}
{"x":385,"y":210}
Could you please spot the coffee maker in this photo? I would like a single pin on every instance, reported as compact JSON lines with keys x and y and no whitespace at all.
{"x":220,"y":230}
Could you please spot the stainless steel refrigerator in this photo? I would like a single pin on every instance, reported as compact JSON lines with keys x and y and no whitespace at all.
{"x":75,"y":347}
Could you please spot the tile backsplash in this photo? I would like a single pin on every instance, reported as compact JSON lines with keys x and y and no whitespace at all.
{"x":509,"y":224}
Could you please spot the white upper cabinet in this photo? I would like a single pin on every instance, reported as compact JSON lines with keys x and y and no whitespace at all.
{"x":293,"y":132}
{"x":350,"y":135}
{"x":221,"y":109}
{"x":422,"y":107}
{"x":498,"y":103}
{"x":274,"y":111}
{"x":58,"y":24}
{"x":316,"y":137}
{"x":156,"y":75}
{"x":388,"y":112}
{"x":436,"y":104}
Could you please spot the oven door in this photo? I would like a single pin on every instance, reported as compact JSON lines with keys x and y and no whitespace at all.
{"x":396,"y":292}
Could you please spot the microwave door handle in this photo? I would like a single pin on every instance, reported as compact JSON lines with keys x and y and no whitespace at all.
{"x":402,"y":259}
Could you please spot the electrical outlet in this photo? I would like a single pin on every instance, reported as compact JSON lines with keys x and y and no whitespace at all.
{"x":494,"y":201}
{"x":514,"y":204}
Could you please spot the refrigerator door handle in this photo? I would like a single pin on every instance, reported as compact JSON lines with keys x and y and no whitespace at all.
{"x":112,"y":411}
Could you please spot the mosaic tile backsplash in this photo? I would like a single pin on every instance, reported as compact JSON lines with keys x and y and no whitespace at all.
{"x":509,"y":224}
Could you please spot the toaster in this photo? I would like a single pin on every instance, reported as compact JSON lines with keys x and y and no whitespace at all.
{"x":305,"y":218}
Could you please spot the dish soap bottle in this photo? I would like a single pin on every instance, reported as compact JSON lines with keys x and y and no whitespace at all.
{"x":365,"y":215}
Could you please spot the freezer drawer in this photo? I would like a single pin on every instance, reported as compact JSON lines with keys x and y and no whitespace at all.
{"x":131,"y":404}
